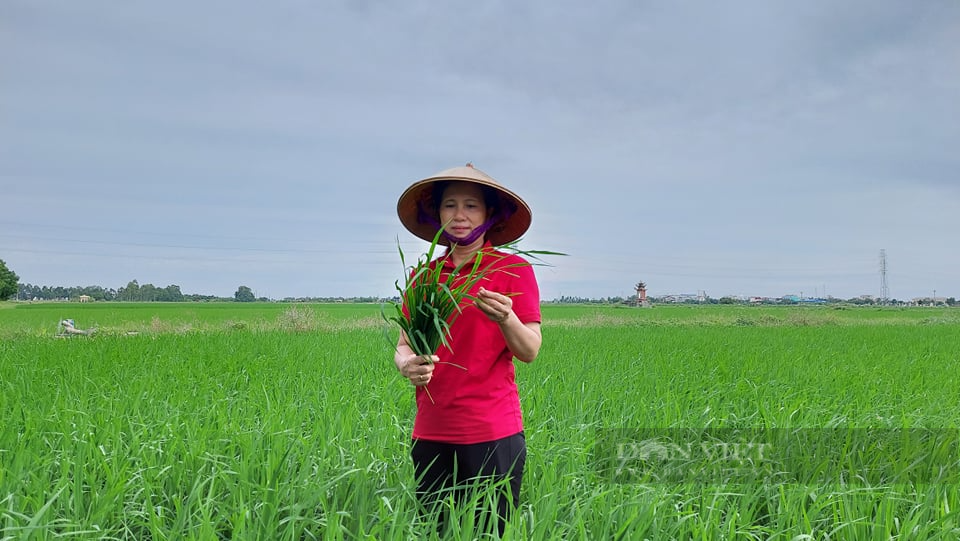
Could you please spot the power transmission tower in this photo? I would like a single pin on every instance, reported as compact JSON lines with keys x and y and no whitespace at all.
{"x":884,"y":290}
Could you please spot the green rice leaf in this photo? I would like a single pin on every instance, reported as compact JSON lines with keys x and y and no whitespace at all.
{"x":432,"y":299}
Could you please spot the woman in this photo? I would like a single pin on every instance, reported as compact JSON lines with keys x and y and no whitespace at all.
{"x":469,"y":425}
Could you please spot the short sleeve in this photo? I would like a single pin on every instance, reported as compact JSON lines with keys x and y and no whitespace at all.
{"x":524,"y":290}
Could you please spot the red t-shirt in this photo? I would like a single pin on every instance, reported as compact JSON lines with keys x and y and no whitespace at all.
{"x":480,"y":403}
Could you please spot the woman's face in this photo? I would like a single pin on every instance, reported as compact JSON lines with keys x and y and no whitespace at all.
{"x":462,"y":208}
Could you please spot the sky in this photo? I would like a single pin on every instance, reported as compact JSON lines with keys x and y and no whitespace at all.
{"x":737,"y":148}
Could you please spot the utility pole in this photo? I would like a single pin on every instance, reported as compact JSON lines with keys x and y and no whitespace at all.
{"x":884,"y":290}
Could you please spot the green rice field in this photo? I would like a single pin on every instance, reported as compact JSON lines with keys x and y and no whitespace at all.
{"x":281,"y":421}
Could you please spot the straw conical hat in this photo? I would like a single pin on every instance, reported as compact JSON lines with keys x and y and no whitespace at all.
{"x":418,"y":198}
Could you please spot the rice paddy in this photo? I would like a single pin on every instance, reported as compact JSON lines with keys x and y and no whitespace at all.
{"x":276,"y":421}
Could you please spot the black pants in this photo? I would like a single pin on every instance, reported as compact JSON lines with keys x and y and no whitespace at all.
{"x":447,"y":469}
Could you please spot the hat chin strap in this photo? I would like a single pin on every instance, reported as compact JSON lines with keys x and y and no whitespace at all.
{"x":427,"y":218}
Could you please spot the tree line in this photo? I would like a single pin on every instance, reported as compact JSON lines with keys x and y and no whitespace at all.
{"x":133,"y":292}
{"x":10,"y":287}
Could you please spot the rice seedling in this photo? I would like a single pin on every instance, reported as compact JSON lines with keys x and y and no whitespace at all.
{"x":432,"y":298}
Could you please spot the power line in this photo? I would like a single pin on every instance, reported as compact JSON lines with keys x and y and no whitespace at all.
{"x":189,"y":247}
{"x":75,"y":228}
{"x":332,"y":260}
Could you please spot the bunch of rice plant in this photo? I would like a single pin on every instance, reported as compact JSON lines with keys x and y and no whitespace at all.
{"x":430,"y":302}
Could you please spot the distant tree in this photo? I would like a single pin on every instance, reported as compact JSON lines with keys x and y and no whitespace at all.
{"x":148,"y":292}
{"x":171,"y":293}
{"x":8,"y":282}
{"x":130,"y":293}
{"x":244,"y":294}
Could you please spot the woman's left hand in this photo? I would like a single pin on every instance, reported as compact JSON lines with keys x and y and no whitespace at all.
{"x":496,"y":306}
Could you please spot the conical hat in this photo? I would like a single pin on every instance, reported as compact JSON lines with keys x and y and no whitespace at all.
{"x":418,"y":198}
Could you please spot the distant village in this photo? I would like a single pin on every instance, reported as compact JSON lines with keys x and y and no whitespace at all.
{"x":701,"y":297}
{"x":796,"y":299}
{"x":694,"y":298}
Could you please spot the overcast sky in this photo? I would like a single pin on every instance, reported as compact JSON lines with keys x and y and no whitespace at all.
{"x":736,"y":148}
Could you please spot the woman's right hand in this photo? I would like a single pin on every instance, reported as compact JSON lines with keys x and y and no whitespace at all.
{"x":418,"y":368}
